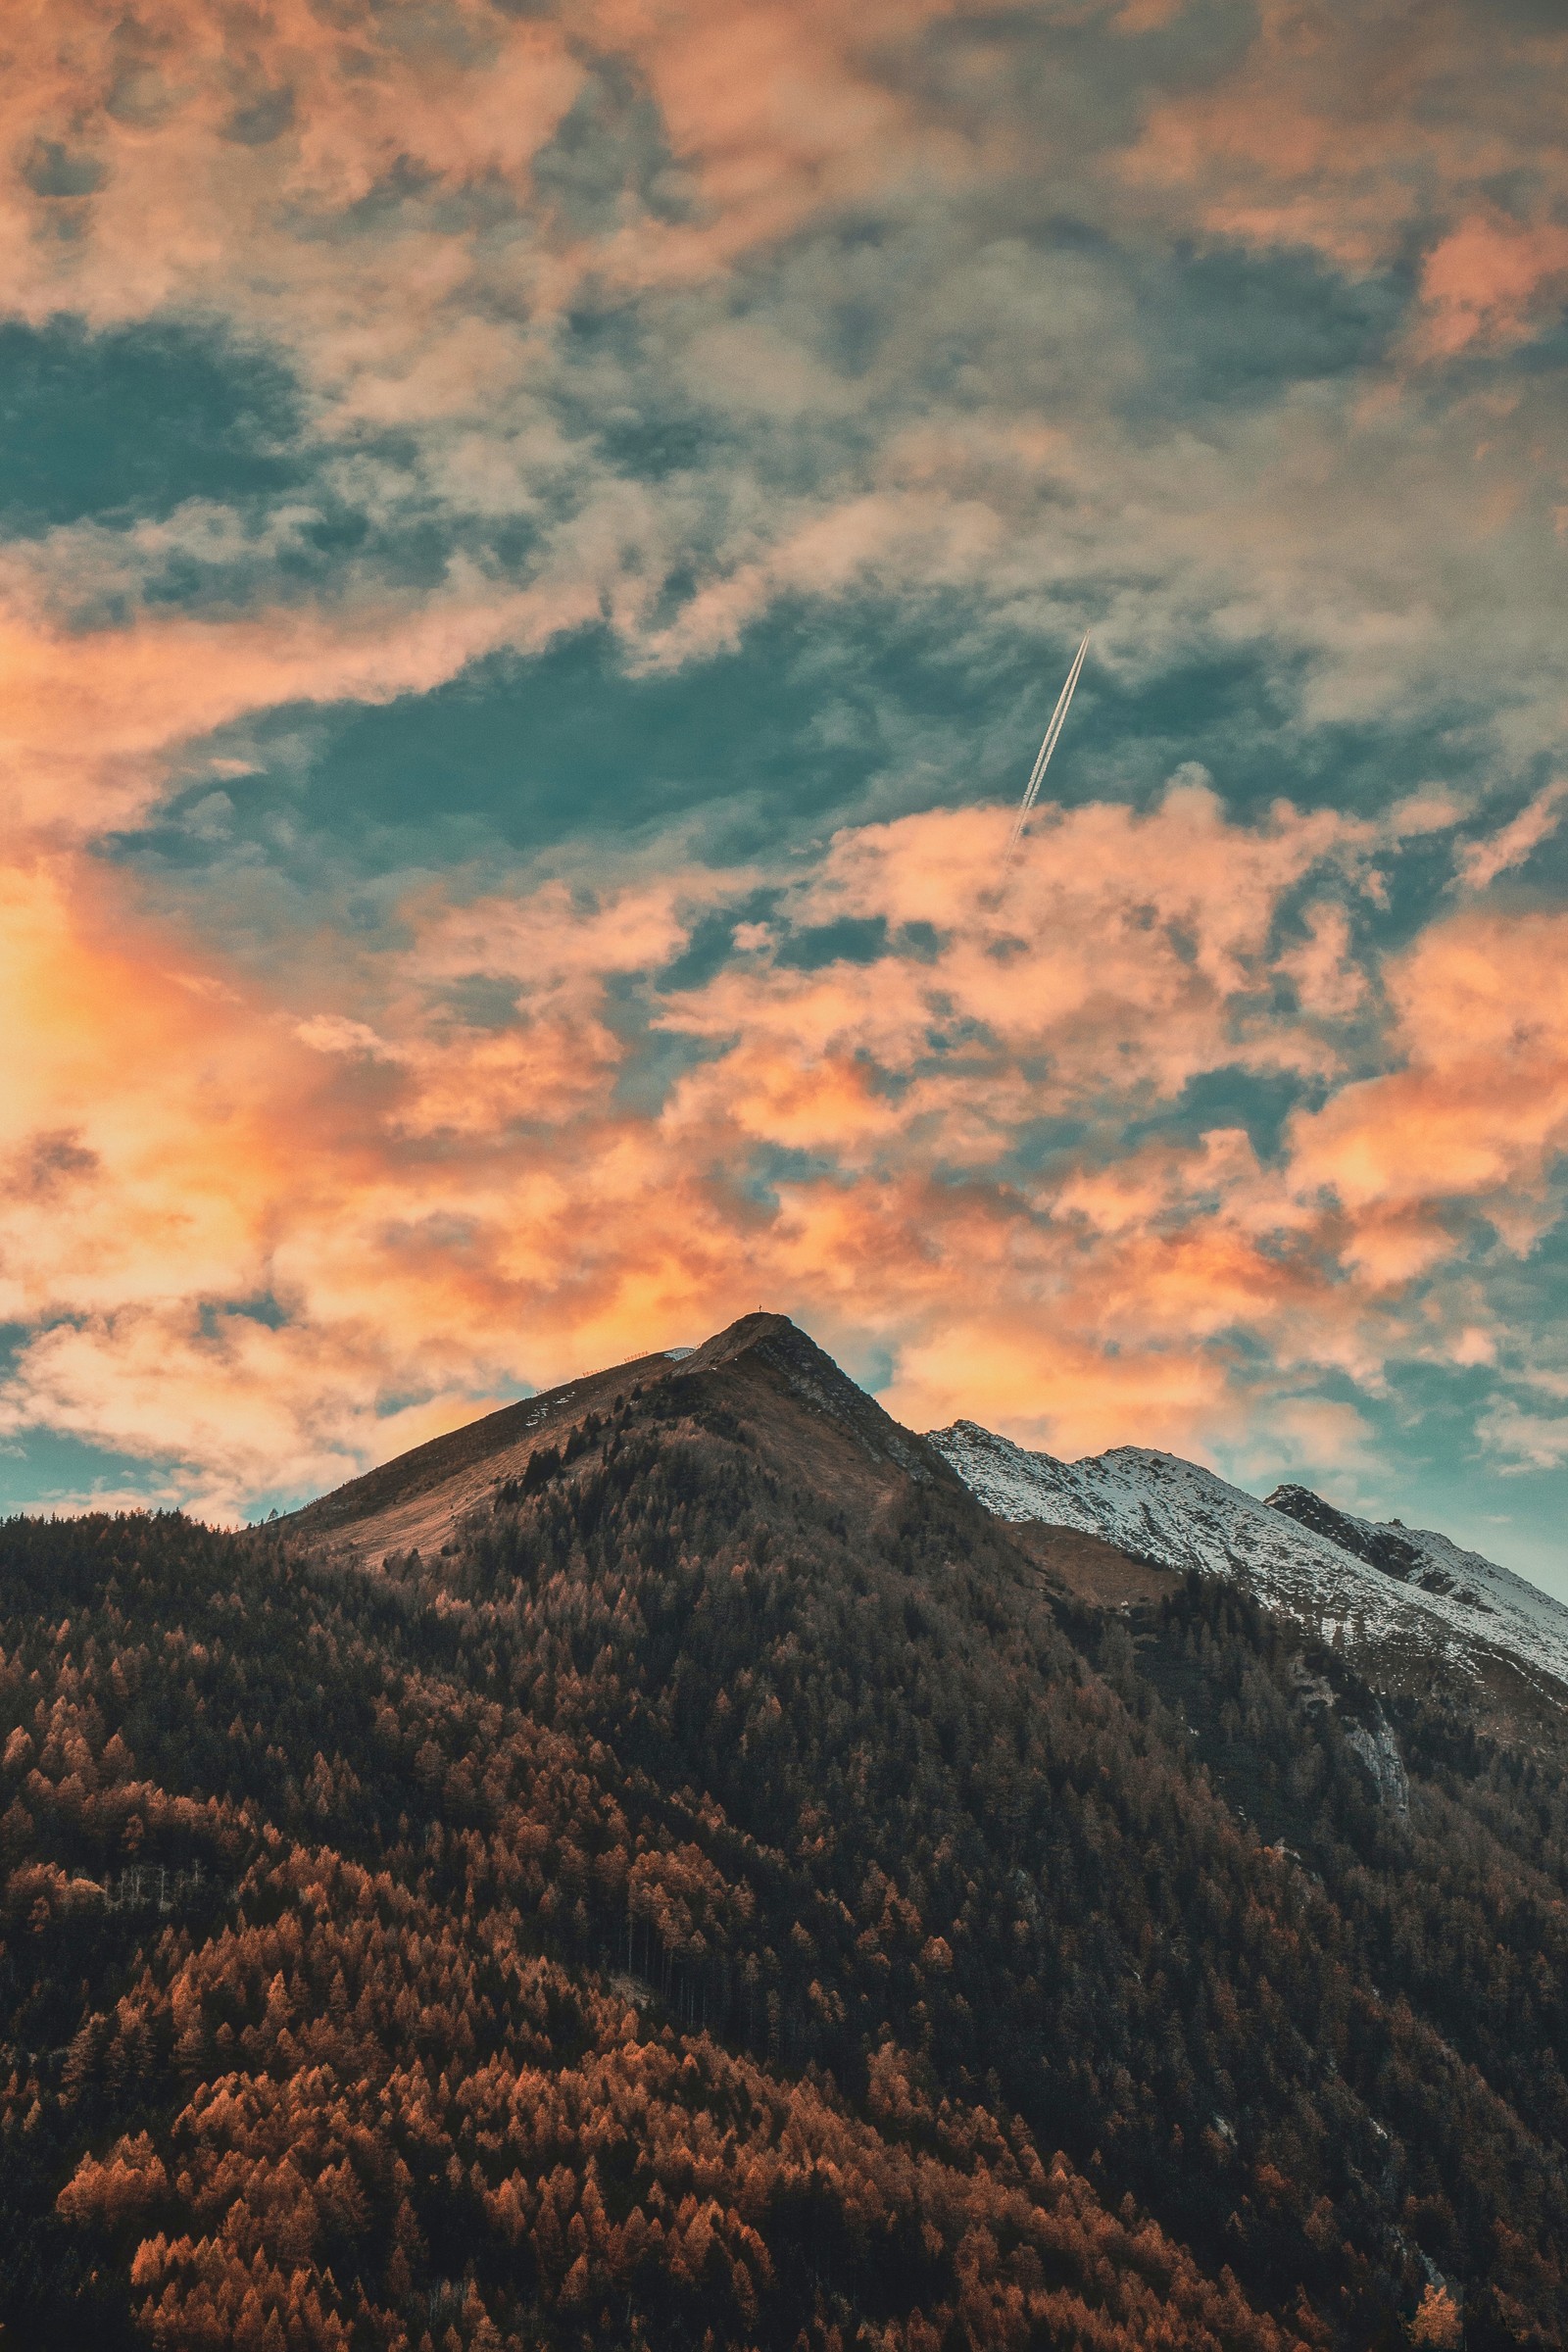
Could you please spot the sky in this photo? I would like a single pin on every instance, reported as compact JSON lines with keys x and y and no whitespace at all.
{"x":537,"y":545}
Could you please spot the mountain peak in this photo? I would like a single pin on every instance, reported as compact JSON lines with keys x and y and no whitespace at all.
{"x":416,"y":1501}
{"x":780,"y":1351}
{"x":1384,"y":1547}
{"x":736,"y":1339}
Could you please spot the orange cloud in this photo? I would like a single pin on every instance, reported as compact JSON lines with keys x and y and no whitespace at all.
{"x":364,"y":192}
{"x":1121,"y":955}
{"x":238,"y":1229}
{"x":1478,"y":1113}
{"x":447,"y":1210}
{"x":89,"y":717}
{"x":1328,"y":979}
{"x":416,"y":1206}
{"x":162,"y":154}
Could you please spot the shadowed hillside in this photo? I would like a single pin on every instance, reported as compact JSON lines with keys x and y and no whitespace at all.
{"x":730,"y":1891}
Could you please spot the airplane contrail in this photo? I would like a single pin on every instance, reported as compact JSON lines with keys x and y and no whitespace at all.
{"x":1044,"y":760}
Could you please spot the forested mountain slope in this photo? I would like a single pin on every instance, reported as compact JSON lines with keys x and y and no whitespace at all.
{"x":731,"y":1897}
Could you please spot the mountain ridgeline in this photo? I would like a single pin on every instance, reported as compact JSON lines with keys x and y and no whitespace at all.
{"x":1412,"y":1606}
{"x":671,"y":1866}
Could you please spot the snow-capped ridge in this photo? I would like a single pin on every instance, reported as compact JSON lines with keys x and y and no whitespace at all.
{"x":1409,"y":1591}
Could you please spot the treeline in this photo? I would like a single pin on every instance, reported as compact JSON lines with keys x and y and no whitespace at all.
{"x":701,"y":1908}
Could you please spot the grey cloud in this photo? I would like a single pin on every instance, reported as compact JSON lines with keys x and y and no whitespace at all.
{"x":212,"y":818}
{"x":611,"y":151}
{"x":51,"y":168}
{"x":260,"y":118}
{"x":48,"y":1164}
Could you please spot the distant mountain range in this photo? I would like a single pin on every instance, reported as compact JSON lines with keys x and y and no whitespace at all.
{"x":1405,"y":1594}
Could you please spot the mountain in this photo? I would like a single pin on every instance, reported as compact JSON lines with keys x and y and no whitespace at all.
{"x":725,"y":1888}
{"x":424,"y":1498}
{"x":1410,"y":1601}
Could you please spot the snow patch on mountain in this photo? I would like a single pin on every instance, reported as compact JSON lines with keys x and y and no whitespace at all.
{"x":1404,"y":1590}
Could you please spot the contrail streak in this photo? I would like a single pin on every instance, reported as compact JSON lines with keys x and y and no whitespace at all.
{"x":1044,"y":760}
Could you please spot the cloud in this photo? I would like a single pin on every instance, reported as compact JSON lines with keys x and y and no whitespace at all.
{"x":1478,"y":1112}
{"x":175,"y":157}
{"x":92,"y":719}
{"x":1488,"y":280}
{"x":510,"y":262}
{"x":229,"y":1154}
{"x":1120,"y":958}
{"x":1311,"y":1434}
{"x":1345,"y":135}
{"x":1327,"y":978}
{"x":1524,"y":1440}
{"x":933,"y":1153}
{"x":1482,"y":862}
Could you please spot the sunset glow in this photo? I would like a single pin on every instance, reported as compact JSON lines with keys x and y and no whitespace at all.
{"x":538,"y":551}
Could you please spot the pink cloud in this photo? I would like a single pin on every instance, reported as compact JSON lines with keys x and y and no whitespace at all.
{"x":185,"y":150}
{"x":1488,"y":278}
{"x":1346,"y":134}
